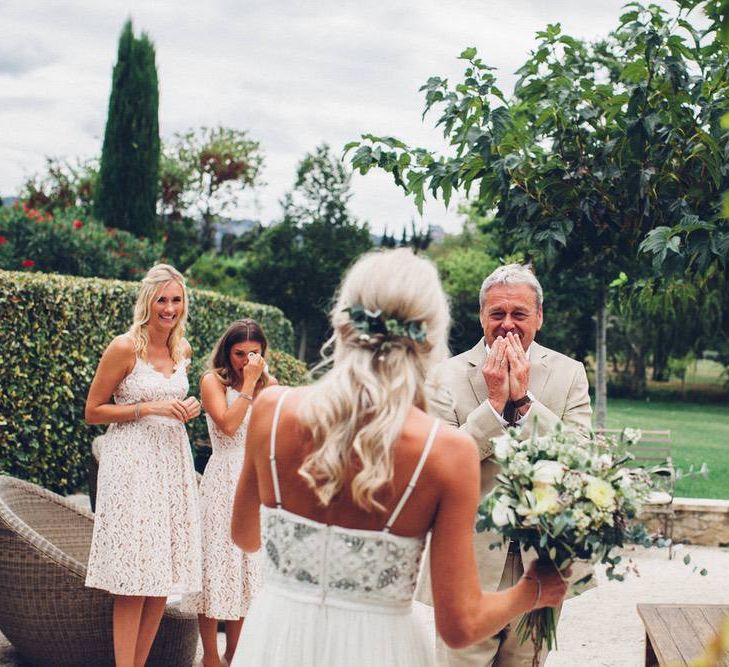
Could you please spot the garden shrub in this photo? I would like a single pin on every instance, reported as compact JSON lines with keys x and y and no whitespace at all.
{"x":71,"y":243}
{"x":53,"y":330}
{"x":219,"y":273}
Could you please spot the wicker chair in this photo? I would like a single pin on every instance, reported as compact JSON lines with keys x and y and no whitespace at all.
{"x":46,"y":611}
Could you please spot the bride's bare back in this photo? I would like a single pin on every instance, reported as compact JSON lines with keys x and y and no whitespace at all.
{"x":445,"y":501}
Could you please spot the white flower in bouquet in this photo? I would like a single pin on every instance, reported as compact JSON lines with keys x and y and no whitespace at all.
{"x":547,"y":498}
{"x":520,"y":465}
{"x":572,"y":482}
{"x":502,"y":446}
{"x":600,"y":492}
{"x":604,"y":462}
{"x":502,"y":511}
{"x":582,"y":520}
{"x":548,"y":472}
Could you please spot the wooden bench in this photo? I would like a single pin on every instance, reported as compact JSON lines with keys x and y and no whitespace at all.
{"x":654,"y":449}
{"x":676,"y":634}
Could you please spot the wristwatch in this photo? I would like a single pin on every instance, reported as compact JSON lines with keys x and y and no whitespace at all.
{"x":524,"y":400}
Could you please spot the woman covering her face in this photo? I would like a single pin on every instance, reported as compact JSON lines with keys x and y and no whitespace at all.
{"x":236,"y":373}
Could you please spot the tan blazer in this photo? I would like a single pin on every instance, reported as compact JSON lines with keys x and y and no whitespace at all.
{"x":458,"y":395}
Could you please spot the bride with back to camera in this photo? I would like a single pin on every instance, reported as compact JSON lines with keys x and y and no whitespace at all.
{"x":344,"y":479}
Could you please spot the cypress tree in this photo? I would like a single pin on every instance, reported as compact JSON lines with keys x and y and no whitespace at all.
{"x":126,"y":192}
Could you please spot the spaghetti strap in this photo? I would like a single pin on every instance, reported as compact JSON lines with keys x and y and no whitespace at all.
{"x":414,"y":478}
{"x":272,"y":454}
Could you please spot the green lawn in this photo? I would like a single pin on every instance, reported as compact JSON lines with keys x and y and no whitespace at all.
{"x":700,"y":434}
{"x":705,"y":371}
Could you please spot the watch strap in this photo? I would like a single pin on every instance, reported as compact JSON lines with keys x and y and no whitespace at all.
{"x":522,"y":401}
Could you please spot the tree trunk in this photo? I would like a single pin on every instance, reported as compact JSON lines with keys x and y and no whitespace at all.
{"x":638,"y":385}
{"x":208,"y":231}
{"x":660,"y":359}
{"x":601,"y":365}
{"x":302,"y":341}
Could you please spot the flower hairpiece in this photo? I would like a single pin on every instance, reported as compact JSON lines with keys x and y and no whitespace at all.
{"x":371,"y":324}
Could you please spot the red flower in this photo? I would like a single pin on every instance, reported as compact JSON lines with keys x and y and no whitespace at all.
{"x":77,"y":224}
{"x":27,"y":263}
{"x":3,"y":240}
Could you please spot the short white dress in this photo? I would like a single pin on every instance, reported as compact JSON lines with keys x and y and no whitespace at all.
{"x":146,"y":538}
{"x":335,"y":596}
{"x":231,"y":578}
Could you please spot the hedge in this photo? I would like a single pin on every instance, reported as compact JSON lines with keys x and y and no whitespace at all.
{"x":53,"y":330}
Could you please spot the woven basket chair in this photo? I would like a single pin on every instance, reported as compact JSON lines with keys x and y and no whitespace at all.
{"x":46,"y":611}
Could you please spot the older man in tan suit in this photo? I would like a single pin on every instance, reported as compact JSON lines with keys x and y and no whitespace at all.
{"x":505,"y":379}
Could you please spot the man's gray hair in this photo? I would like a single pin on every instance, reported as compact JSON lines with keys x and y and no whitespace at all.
{"x":511,"y":274}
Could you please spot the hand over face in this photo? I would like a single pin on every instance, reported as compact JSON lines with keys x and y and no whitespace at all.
{"x":518,"y":367}
{"x":254,"y":367}
{"x":496,"y":374}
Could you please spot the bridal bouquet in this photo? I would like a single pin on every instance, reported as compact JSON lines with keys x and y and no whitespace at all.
{"x":568,"y":496}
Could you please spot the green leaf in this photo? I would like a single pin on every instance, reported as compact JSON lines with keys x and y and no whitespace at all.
{"x":469,"y":53}
{"x":628,"y":17}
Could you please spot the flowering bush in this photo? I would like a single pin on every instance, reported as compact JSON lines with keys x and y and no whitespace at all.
{"x":569,"y":497}
{"x":71,"y":243}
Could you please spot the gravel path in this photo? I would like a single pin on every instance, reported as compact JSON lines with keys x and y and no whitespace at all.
{"x":601,"y":628}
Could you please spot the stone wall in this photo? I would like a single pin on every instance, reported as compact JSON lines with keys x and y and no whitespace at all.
{"x":702,"y":521}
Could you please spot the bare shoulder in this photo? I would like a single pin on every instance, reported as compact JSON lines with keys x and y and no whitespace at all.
{"x":454,"y":453}
{"x":269,"y":396}
{"x":121,"y":348}
{"x":186,"y":348}
{"x":210,"y":382}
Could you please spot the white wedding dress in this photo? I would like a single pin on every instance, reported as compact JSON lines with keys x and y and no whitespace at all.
{"x":335,"y":596}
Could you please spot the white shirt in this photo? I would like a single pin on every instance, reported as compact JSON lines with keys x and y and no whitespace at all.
{"x":501,"y":419}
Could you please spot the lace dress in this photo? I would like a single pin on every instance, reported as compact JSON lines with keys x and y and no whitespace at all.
{"x":230,"y":577}
{"x":335,"y":596}
{"x":146,"y":537}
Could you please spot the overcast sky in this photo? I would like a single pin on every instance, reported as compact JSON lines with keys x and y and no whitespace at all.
{"x":294,"y":74}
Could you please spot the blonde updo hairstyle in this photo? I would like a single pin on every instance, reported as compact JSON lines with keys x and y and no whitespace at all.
{"x":157,"y":277}
{"x":356,"y":412}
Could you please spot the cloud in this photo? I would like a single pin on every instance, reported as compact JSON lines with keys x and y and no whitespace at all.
{"x":19,"y":57}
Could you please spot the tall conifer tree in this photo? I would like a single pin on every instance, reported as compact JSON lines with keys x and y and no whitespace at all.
{"x":126,"y":192}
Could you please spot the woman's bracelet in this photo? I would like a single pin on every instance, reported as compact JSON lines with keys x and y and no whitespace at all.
{"x":248,"y":397}
{"x":137,"y":410}
{"x":539,"y":588}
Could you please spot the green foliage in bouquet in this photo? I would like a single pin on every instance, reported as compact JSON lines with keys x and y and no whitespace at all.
{"x":71,"y":243}
{"x":53,"y":332}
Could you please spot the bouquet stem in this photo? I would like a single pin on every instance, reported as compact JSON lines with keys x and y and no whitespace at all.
{"x":539,"y":626}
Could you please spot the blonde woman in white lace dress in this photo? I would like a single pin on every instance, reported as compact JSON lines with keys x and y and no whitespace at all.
{"x":146,"y":541}
{"x":236,"y":374}
{"x":342,"y":482}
